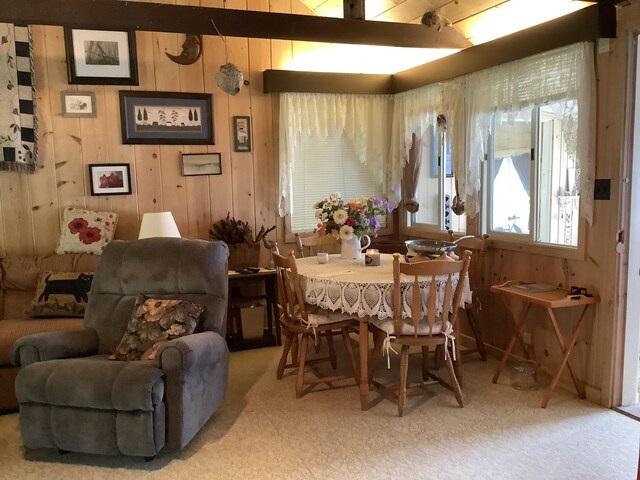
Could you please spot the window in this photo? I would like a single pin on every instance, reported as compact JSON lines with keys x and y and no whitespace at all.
{"x":532,"y":192}
{"x":436,"y":187}
{"x":325,"y":165}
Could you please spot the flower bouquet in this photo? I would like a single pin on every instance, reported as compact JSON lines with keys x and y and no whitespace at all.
{"x":359,"y":216}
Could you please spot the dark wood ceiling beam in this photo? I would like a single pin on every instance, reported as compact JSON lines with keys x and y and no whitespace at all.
{"x":591,"y":23}
{"x":123,"y":15}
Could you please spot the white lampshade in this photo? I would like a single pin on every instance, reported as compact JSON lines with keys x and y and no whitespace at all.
{"x":158,"y":224}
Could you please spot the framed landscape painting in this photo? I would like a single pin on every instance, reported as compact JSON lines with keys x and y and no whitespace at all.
{"x":201,"y":164}
{"x":166,"y":118}
{"x":101,"y":57}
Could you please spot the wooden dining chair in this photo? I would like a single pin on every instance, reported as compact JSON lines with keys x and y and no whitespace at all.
{"x":310,"y":245}
{"x":478,"y":247}
{"x":298,"y":321}
{"x":428,"y":331}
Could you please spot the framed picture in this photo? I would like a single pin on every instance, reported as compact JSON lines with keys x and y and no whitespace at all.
{"x":201,"y":164}
{"x":242,"y":134}
{"x":78,"y":104}
{"x":166,"y":118}
{"x":110,"y":179}
{"x":101,"y":57}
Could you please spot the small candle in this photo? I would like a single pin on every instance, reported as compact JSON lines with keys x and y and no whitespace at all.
{"x":323,"y":257}
{"x":372,"y":257}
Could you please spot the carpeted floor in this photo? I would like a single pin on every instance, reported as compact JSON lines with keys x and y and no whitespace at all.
{"x":263,"y":432}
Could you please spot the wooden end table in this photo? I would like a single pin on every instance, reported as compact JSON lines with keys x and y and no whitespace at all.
{"x":549,"y":300}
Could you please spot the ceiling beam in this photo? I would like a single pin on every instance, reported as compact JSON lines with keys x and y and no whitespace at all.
{"x":125,"y":15}
{"x":588,"y":24}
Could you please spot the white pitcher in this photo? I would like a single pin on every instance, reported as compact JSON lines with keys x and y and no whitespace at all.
{"x":352,"y":249}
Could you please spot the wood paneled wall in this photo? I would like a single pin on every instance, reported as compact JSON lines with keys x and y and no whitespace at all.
{"x":30,"y":205}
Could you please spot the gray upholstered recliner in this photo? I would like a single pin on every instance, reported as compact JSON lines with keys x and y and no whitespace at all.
{"x":73,"y":398}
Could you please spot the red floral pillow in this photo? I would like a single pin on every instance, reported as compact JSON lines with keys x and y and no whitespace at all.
{"x":84,"y":231}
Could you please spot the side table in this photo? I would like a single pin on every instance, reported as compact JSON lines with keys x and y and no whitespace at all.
{"x":549,"y":300}
{"x":238,"y":284}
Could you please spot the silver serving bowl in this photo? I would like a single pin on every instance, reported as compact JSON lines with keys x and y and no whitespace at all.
{"x":431,"y":248}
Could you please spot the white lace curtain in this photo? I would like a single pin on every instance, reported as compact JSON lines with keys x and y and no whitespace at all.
{"x":364,"y":119}
{"x":565,"y":75}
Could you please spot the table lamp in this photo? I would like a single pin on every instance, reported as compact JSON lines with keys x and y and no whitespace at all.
{"x":158,"y":224}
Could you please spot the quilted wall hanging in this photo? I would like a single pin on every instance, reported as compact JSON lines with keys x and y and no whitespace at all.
{"x":18,"y":125}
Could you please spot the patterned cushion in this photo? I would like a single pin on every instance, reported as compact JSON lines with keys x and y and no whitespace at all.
{"x":84,"y":231}
{"x":153,"y":323}
{"x":61,"y":294}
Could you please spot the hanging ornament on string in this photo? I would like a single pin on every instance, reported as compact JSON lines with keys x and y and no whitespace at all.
{"x":229,"y":77}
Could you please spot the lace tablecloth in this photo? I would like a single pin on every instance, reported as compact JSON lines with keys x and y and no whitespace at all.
{"x":351,"y":287}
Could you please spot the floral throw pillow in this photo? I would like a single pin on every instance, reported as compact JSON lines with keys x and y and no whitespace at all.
{"x":153,"y":323}
{"x":61,"y":294}
{"x":84,"y":231}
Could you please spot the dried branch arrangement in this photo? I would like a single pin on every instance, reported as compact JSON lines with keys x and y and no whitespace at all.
{"x":233,"y":231}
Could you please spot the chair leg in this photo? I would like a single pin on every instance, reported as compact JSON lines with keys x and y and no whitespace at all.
{"x":425,"y":363}
{"x":376,"y":354}
{"x":352,"y":359}
{"x":437,"y":358}
{"x":295,"y":343}
{"x":404,"y":367}
{"x":455,"y":386}
{"x":304,"y":343}
{"x":285,"y":353}
{"x":332,"y":350}
{"x":471,"y":317}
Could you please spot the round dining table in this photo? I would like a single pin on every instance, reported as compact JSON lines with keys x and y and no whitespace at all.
{"x":351,"y":287}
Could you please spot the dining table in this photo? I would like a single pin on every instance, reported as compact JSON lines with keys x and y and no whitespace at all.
{"x":351,"y":287}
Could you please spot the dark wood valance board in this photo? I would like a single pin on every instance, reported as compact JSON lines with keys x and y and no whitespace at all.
{"x":588,"y":24}
{"x":123,"y":15}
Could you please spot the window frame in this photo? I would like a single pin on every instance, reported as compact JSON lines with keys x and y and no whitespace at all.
{"x":519,"y":242}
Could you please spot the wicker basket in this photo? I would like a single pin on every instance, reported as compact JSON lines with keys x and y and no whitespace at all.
{"x":243,"y":255}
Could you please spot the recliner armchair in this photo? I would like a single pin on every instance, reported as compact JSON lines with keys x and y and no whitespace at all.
{"x":73,"y":398}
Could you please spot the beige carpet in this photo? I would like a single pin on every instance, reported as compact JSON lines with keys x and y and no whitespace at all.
{"x":263,"y":432}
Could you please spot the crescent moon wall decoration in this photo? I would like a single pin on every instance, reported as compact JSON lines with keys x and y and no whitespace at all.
{"x":191,"y":51}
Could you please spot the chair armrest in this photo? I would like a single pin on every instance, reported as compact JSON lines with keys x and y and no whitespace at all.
{"x":205,"y":348}
{"x":196,"y":369}
{"x":54,"y":345}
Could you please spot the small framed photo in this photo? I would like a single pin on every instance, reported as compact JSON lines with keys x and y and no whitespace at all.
{"x":242,"y":134}
{"x":110,"y":179}
{"x":101,"y":57}
{"x":166,"y":118}
{"x":78,"y":104}
{"x":201,"y":164}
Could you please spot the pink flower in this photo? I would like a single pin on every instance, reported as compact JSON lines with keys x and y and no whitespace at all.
{"x":350,"y":221}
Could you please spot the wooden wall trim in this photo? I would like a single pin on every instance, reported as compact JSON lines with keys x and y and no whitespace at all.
{"x":316,"y":82}
{"x":155,"y":17}
{"x":591,"y":23}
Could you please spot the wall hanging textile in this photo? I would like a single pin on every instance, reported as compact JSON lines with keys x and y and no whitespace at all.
{"x":18,"y":123}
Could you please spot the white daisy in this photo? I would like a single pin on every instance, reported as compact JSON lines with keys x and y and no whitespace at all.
{"x":318,"y":213}
{"x":346,"y":232}
{"x":339,"y":216}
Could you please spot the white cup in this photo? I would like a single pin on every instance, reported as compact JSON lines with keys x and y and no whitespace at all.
{"x":323,"y":257}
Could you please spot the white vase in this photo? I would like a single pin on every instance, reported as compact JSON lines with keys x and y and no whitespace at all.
{"x":353,"y":248}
